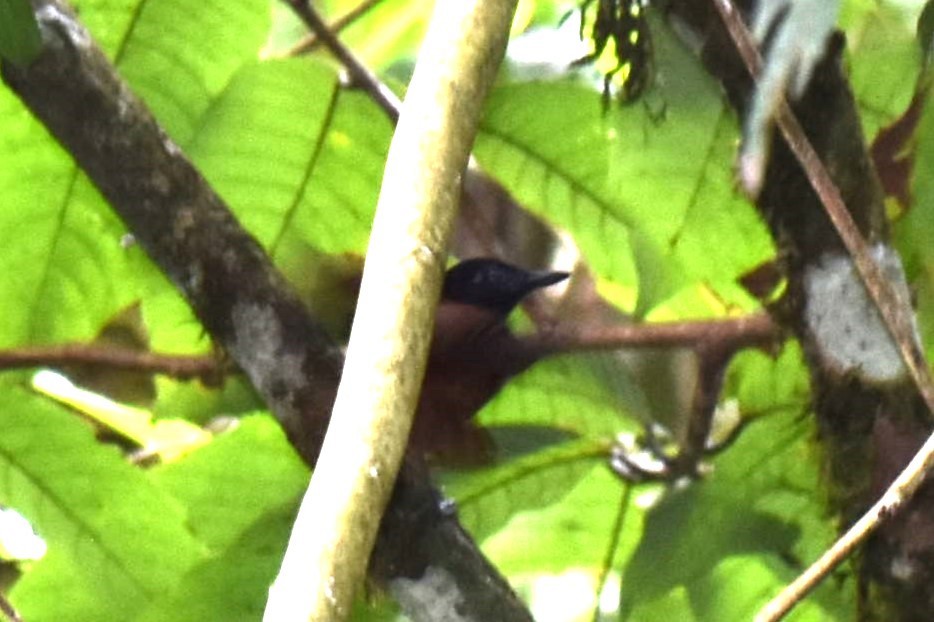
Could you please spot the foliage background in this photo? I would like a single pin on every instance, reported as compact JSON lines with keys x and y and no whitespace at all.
{"x":650,"y":203}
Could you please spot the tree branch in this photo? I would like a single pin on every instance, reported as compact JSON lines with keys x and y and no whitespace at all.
{"x":896,"y":314}
{"x":177,"y":366}
{"x":376,"y":401}
{"x":360,"y":74}
{"x":311,"y":40}
{"x":868,"y":408}
{"x":895,"y":311}
{"x":727,"y":334}
{"x":231,"y":285}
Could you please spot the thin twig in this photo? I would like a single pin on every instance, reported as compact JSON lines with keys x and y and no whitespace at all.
{"x":889,"y":504}
{"x":613,"y":549}
{"x":9,"y":610}
{"x":176,"y":366}
{"x":360,"y":75}
{"x":895,"y":314}
{"x":310,"y":41}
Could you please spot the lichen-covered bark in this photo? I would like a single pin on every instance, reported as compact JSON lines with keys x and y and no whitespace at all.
{"x":870,"y":424}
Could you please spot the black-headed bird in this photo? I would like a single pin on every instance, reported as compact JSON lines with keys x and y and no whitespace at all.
{"x":473,"y":353}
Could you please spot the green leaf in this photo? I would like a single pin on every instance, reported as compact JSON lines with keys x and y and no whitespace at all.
{"x":178,"y":56}
{"x":488,"y":498}
{"x":67,"y":268}
{"x":233,"y":481}
{"x":63,"y":261}
{"x":673,"y":546}
{"x":600,"y":176}
{"x":913,"y":232}
{"x":336,"y":205}
{"x":112,"y":536}
{"x":579,"y":532}
{"x":298,"y":159}
{"x":20,"y":40}
{"x":736,"y":589}
{"x":764,"y":385}
{"x":241,"y":493}
{"x":760,"y":513}
{"x":881,"y":35}
{"x":584,"y":395}
{"x":594,"y":524}
{"x":233,"y":584}
{"x":260,"y":139}
{"x":199,"y":403}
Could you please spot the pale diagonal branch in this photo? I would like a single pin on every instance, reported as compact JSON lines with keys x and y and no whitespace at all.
{"x":335,"y":531}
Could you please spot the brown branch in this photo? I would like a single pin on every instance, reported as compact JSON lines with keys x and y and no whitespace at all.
{"x":310,"y":41}
{"x":177,"y":366}
{"x":715,"y":342}
{"x":9,"y":610}
{"x":731,"y":333}
{"x":728,"y":334}
{"x":360,"y":74}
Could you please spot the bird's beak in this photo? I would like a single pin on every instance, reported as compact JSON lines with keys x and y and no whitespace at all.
{"x":543,"y":278}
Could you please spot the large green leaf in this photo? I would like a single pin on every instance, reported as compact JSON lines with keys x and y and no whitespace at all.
{"x":550,"y":550}
{"x":298,"y":159}
{"x":913,"y":231}
{"x":66,"y":266}
{"x":241,"y":493}
{"x":760,"y":514}
{"x":115,"y":541}
{"x":488,"y":498}
{"x":62,"y":259}
{"x":646,"y":191}
{"x":229,"y":484}
{"x":232,"y":585}
{"x":178,"y":56}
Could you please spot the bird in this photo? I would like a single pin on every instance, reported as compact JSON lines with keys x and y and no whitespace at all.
{"x":472,"y":355}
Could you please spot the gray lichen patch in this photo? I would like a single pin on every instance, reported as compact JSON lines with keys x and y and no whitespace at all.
{"x":435,"y":596}
{"x":845,"y":323}
{"x":259,"y":337}
{"x":63,"y":25}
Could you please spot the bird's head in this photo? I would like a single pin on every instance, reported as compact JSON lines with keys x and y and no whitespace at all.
{"x":494,"y":285}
